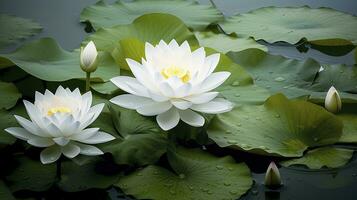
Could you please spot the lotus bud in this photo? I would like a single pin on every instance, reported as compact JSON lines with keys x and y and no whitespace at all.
{"x":88,"y":57}
{"x":272,"y":176}
{"x":333,"y":101}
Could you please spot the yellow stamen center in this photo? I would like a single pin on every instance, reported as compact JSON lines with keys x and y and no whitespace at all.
{"x":55,"y":110}
{"x":179,"y":72}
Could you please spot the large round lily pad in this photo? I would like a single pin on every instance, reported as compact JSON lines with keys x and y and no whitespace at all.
{"x":46,"y":60}
{"x":195,"y":175}
{"x":8,"y":95}
{"x":279,"y":127}
{"x":193,"y":14}
{"x":272,"y":24}
{"x":330,"y":157}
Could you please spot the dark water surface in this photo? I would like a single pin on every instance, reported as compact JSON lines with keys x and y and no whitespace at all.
{"x":60,"y":18}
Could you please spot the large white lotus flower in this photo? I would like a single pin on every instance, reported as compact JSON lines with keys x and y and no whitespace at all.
{"x":58,"y":122}
{"x":172,"y":82}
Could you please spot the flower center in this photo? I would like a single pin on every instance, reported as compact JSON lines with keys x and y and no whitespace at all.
{"x":55,"y":110}
{"x":179,"y":72}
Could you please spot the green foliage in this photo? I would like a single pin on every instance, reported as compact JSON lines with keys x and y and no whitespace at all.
{"x":322,"y":157}
{"x":279,"y":127}
{"x":102,"y":15}
{"x":195,"y":174}
{"x":9,"y":95}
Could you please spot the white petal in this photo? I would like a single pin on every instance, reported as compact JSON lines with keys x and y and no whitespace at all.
{"x":212,"y":81}
{"x":86,"y":133}
{"x":209,"y":65}
{"x":33,"y":112}
{"x":201,"y":98}
{"x":40,"y":142}
{"x":192,"y":118}
{"x":130,"y":101}
{"x":169,"y":119}
{"x":62,"y":141}
{"x":154,"y":108}
{"x":100,"y":137}
{"x":50,"y":154}
{"x":20,"y":133}
{"x":183,"y":90}
{"x":30,"y":126}
{"x":215,"y":106}
{"x":181,"y":104}
{"x":140,"y":73}
{"x":173,"y":44}
{"x":130,"y":85}
{"x":89,"y":150}
{"x":166,"y":89}
{"x":70,"y":150}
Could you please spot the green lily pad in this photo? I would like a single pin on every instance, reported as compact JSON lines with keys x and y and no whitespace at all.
{"x":195,"y":175}
{"x":141,"y":141}
{"x":225,"y":43}
{"x":14,"y":29}
{"x":278,"y":74}
{"x":292,"y":24}
{"x":102,"y":15}
{"x":46,"y":60}
{"x":147,"y":28}
{"x":32,"y":175}
{"x":9,"y":95}
{"x":76,"y":178}
{"x":7,"y":120}
{"x":5,"y":192}
{"x":279,"y":127}
{"x":322,"y":157}
{"x":349,"y":134}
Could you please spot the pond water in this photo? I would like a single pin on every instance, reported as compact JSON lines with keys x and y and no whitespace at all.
{"x":60,"y":21}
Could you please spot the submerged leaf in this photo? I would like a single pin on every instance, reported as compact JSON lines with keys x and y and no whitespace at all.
{"x":291,"y":24}
{"x":196,"y":175}
{"x":279,"y":127}
{"x":14,"y":29}
{"x":322,"y":157}
{"x":102,"y":15}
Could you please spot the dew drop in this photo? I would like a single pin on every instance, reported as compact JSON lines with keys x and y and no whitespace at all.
{"x":255,"y":192}
{"x":228,"y":131}
{"x":277,"y":116}
{"x":237,"y":95}
{"x":233,"y":192}
{"x":279,"y":79}
{"x":230,"y":168}
{"x":226,"y":184}
{"x":219,"y":167}
{"x":268,"y":86}
{"x":191,"y":187}
{"x":182,"y":176}
{"x":139,"y":174}
{"x":172,"y":192}
{"x":209,"y":192}
{"x":232,"y":142}
{"x":316,"y":139}
{"x":235,"y":83}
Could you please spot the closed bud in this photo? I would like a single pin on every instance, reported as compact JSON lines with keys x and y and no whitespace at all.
{"x":88,"y":57}
{"x":333,"y":101}
{"x":272,"y":176}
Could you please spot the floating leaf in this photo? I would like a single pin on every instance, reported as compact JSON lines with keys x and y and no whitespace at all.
{"x":279,"y":127}
{"x":195,"y":174}
{"x":147,"y":28}
{"x":322,"y":157}
{"x":7,"y":120}
{"x":225,"y":43}
{"x":5,"y":192}
{"x":291,"y":24}
{"x":277,"y":74}
{"x":141,"y":141}
{"x":349,"y":134}
{"x":14,"y":29}
{"x":8,"y":95}
{"x":102,"y":15}
{"x":46,"y":60}
{"x":32,"y":175}
{"x":83,"y":177}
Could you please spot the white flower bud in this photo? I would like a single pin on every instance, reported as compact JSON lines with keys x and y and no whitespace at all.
{"x":333,"y":101}
{"x":272,"y":176}
{"x":88,"y":57}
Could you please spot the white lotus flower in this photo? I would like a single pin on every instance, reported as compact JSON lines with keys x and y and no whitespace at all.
{"x":172,"y":82}
{"x":88,"y":57}
{"x":58,"y":122}
{"x":333,"y":101}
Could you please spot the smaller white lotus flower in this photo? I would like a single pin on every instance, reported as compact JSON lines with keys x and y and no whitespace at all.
{"x":272,"y":176}
{"x":88,"y":57}
{"x":173,"y":83}
{"x":333,"y":101}
{"x":58,"y":122}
